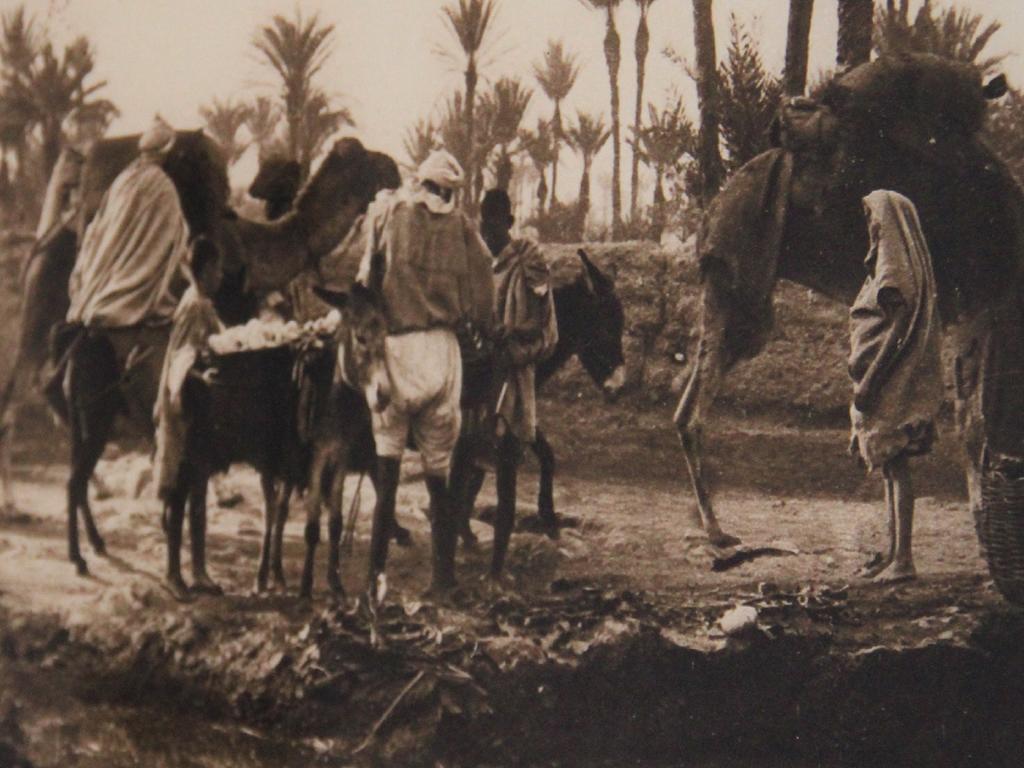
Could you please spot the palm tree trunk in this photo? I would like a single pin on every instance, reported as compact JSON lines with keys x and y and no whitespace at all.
{"x":709,"y":156}
{"x":542,"y":191}
{"x":556,"y":129}
{"x":642,"y":46}
{"x":798,"y":36}
{"x":612,"y":56}
{"x":583,"y":201}
{"x":854,"y":40}
{"x":659,"y":205}
{"x":469,"y":204}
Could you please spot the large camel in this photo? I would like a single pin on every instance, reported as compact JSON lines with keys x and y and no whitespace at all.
{"x":911,"y":124}
{"x":260,"y":256}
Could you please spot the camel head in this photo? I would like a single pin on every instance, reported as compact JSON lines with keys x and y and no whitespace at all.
{"x":360,"y":340}
{"x":341,"y":189}
{"x":196,"y":166}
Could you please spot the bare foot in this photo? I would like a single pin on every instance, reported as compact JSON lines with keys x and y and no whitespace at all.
{"x":873,"y":566}
{"x":895,"y":572}
{"x":179,"y":590}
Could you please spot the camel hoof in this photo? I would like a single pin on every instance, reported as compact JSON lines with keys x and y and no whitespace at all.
{"x":100,"y":547}
{"x":81,"y":567}
{"x":723,"y":540}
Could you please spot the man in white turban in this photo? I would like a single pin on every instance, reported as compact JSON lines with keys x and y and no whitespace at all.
{"x":434,"y":274}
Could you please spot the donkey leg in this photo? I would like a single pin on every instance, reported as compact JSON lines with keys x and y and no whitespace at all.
{"x":505,"y":477}
{"x":269,"y":512}
{"x":461,"y":498}
{"x":314,"y":501}
{"x":546,"y":494}
{"x":87,"y":442}
{"x":388,"y":475}
{"x":335,"y":523}
{"x":277,"y":545}
{"x":201,"y":581}
{"x":700,"y":393}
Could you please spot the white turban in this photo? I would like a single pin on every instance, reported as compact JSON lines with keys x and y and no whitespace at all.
{"x":442,"y":169}
{"x":158,"y":138}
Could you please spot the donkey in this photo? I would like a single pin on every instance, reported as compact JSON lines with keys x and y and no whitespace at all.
{"x":590,"y":325}
{"x":288,"y":399}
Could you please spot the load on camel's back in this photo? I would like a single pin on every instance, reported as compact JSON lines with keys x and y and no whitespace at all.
{"x":909,"y":123}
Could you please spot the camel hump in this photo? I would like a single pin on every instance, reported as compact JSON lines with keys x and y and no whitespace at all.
{"x":944,"y":94}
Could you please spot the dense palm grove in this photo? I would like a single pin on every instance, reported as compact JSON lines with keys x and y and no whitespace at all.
{"x":508,"y":131}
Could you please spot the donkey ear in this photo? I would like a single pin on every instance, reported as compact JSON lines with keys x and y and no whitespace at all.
{"x":337,"y":299}
{"x":593,"y":277}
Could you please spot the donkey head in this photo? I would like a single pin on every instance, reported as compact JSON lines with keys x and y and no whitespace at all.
{"x":360,"y":341}
{"x":597,"y":322}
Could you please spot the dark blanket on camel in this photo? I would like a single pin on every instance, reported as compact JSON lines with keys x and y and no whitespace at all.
{"x":741,"y":232}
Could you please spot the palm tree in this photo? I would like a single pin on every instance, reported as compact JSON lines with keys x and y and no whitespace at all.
{"x":951,"y":32}
{"x":297,"y":49}
{"x":41,"y":90}
{"x":556,"y":75}
{"x":262,"y":120}
{"x":587,"y":137}
{"x":661,"y":144}
{"x":641,"y":47}
{"x":798,"y":37}
{"x":420,"y":140}
{"x":709,"y":156}
{"x":223,"y":120}
{"x":470,"y":21}
{"x":509,"y":100}
{"x":540,"y":146}
{"x":612,"y":57}
{"x":853,"y":44}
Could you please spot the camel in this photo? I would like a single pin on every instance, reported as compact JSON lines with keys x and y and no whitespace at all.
{"x":908,"y":123}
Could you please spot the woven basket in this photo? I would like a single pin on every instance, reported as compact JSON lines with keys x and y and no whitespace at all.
{"x":1001,"y":531}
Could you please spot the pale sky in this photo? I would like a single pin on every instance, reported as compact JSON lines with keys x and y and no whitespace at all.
{"x":171,"y":56}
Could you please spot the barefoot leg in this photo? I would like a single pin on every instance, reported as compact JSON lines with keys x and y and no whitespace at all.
{"x":546,"y":494}
{"x":902,"y":566}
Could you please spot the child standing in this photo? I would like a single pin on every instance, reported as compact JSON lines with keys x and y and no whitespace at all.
{"x":895,"y":366}
{"x":195,"y":320}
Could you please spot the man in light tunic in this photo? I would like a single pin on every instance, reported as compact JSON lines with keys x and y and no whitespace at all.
{"x":434,"y":273}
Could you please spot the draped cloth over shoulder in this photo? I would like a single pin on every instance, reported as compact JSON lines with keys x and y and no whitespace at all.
{"x":895,"y":355}
{"x":131,"y":253}
{"x":525,"y":310}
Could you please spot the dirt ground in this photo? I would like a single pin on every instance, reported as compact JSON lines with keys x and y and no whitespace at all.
{"x":626,"y":556}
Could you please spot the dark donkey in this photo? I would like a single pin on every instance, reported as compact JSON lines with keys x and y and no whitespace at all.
{"x":269,"y":408}
{"x":590,"y":325}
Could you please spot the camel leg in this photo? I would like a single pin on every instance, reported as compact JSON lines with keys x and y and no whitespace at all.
{"x":546,"y":494}
{"x":6,"y":480}
{"x":201,"y":581}
{"x":700,"y":393}
{"x":277,"y":545}
{"x":504,"y":521}
{"x":269,"y":513}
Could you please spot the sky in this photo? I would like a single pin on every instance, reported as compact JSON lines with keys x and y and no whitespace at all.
{"x":171,"y":56}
